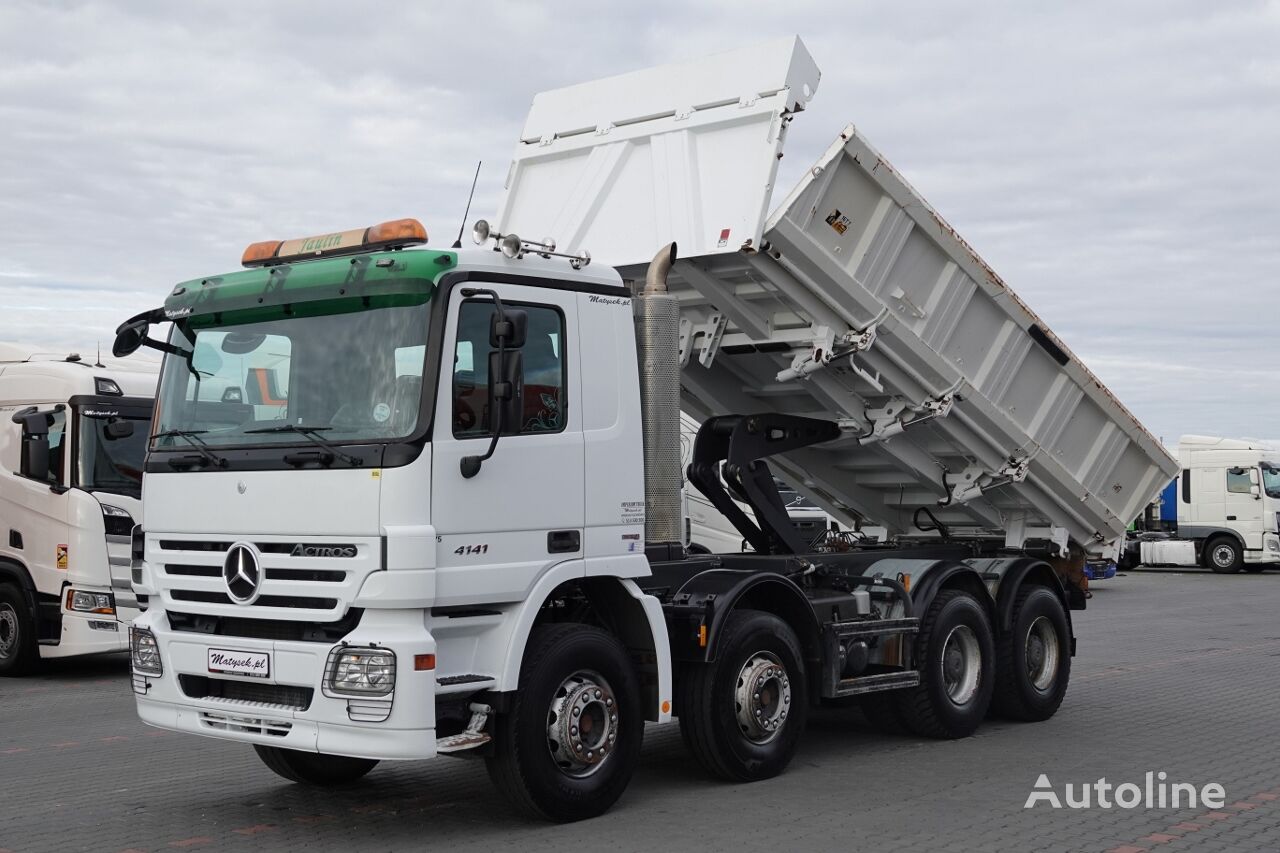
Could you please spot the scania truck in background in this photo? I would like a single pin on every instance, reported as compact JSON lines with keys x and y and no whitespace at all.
{"x":73,"y":434}
{"x":456,"y":528}
{"x":1221,"y":512}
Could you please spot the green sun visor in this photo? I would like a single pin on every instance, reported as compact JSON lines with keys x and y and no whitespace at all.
{"x":309,"y":288}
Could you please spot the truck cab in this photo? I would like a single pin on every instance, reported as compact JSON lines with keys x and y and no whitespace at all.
{"x":72,"y":440}
{"x":1229,"y":502}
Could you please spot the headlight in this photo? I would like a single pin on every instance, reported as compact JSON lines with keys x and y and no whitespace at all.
{"x":360,"y":671}
{"x":145,"y":652}
{"x":90,"y":602}
{"x":117,"y":521}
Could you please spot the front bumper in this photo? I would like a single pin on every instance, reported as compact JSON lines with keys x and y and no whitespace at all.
{"x":325,"y":724}
{"x":89,"y":633}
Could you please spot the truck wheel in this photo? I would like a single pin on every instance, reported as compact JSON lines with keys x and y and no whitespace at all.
{"x":19,"y":653}
{"x":957,"y":671}
{"x":1223,"y":555}
{"x":314,"y":768}
{"x":1033,"y":660}
{"x":568,"y":746}
{"x":742,"y":715}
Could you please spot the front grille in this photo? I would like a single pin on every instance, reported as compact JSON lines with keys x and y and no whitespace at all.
{"x":266,"y":629}
{"x":284,"y":696}
{"x":193,"y":571}
{"x":245,"y":725}
{"x":300,"y":602}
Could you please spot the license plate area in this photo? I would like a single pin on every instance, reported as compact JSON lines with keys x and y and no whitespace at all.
{"x":248,"y":664}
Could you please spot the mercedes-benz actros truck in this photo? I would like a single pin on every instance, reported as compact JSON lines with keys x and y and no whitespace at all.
{"x":403,"y":502}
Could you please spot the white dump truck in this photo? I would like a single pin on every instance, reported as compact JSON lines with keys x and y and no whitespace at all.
{"x":449,"y":522}
{"x":1222,"y":512}
{"x":73,"y":434}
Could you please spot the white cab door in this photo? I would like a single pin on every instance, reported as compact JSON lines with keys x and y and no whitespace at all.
{"x":498,"y":531}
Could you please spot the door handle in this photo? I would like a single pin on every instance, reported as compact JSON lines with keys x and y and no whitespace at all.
{"x":564,"y":541}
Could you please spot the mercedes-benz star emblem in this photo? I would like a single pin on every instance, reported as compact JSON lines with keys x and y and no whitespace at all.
{"x":242,"y":573}
{"x":241,"y":487}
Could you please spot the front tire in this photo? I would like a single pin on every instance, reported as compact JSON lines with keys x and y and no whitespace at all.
{"x":1223,"y":556}
{"x":1033,"y":663}
{"x":957,"y":668}
{"x":19,"y":651}
{"x":568,"y":747}
{"x":314,"y":768}
{"x":742,"y":715}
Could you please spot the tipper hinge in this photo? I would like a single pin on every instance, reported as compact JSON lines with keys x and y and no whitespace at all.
{"x":974,"y":479}
{"x":826,"y":347}
{"x":896,"y":415}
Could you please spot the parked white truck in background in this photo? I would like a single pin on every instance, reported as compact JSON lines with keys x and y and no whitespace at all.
{"x":72,"y":439}
{"x":459,"y":530}
{"x":1227,"y":497}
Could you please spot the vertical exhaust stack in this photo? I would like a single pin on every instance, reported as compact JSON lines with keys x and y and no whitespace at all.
{"x":658,"y":339}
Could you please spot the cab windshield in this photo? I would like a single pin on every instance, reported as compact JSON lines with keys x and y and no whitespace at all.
{"x":352,"y":376}
{"x":1271,"y":480}
{"x":108,"y":459}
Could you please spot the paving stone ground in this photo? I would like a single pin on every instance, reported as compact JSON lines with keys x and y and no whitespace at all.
{"x":1176,"y":672}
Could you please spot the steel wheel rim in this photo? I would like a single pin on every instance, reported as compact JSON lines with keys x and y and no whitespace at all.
{"x":1042,"y":653}
{"x":582,"y":724}
{"x":961,"y":664}
{"x":1223,"y":555}
{"x":762,"y":697}
{"x":8,"y":630}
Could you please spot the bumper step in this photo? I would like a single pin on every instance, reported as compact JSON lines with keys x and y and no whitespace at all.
{"x":474,"y":735}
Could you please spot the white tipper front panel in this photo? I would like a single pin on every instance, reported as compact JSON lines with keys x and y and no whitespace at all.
{"x":685,"y":152}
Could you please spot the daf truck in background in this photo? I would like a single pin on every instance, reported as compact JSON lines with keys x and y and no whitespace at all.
{"x":73,"y":435}
{"x":1221,"y":512}
{"x":459,"y":531}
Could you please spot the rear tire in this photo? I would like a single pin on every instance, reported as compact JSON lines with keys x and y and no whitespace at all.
{"x":957,"y":668}
{"x":1223,"y":555}
{"x":314,"y":768}
{"x":19,"y":647}
{"x":1033,"y":660}
{"x":547,"y":760}
{"x":737,"y":731}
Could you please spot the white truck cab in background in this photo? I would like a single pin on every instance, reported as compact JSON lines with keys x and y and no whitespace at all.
{"x":1228,"y":506}
{"x":73,"y":435}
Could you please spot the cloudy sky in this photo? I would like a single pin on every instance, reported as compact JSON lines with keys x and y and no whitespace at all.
{"x":1117,"y":162}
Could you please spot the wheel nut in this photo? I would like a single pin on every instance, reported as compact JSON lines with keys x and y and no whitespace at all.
{"x":613,"y":718}
{"x":609,"y":702}
{"x":597,"y":694}
{"x":577,"y":712}
{"x":573,"y":730}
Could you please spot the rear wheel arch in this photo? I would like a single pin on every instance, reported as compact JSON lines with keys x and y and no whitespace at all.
{"x":786,"y":601}
{"x":1026,"y":572}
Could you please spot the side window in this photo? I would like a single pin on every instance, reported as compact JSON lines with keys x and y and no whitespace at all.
{"x":1238,"y":481}
{"x":1186,"y":485}
{"x":544,"y":370}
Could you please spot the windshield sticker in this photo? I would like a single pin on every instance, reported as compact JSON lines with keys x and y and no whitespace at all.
{"x":62,"y":557}
{"x":382,"y":413}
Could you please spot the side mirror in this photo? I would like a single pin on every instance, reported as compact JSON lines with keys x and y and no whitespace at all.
{"x":506,"y":391}
{"x":1256,"y":491}
{"x":35,"y":456}
{"x":119,"y":429}
{"x":510,"y":331}
{"x":129,"y":338}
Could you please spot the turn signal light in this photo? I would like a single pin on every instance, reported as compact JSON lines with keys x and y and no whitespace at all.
{"x":423,"y":662}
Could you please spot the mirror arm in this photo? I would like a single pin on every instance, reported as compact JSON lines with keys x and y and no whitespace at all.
{"x":163,"y":346}
{"x":469,"y":466}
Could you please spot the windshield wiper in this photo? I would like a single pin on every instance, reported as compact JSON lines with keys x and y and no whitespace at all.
{"x":312,"y":434}
{"x":193,"y":438}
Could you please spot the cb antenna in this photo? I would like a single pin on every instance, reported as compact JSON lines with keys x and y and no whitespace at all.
{"x":457,"y":244}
